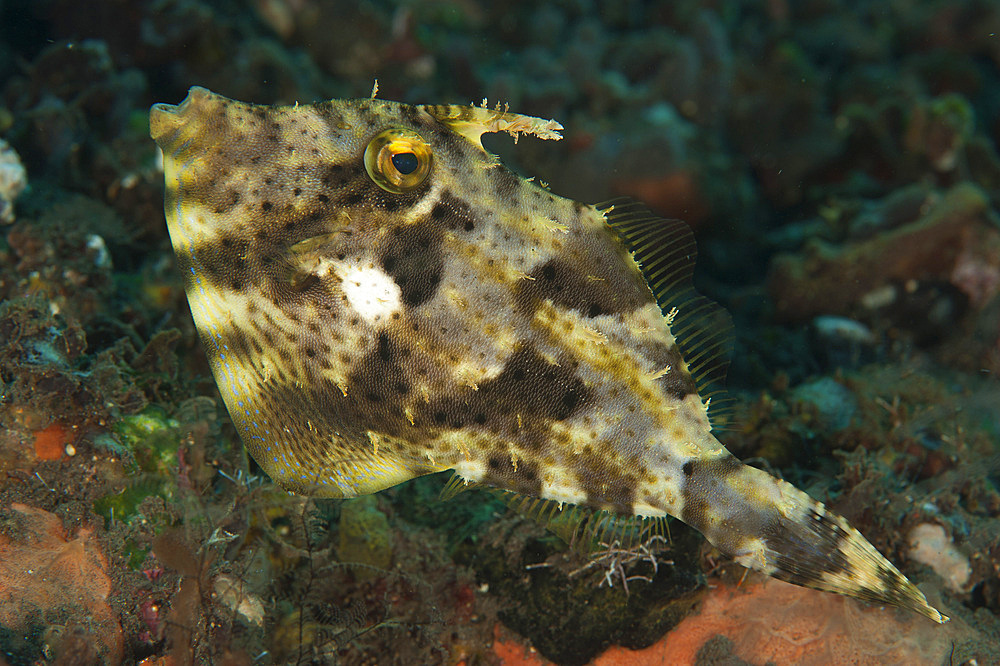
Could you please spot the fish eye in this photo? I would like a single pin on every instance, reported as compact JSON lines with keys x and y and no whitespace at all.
{"x":398,"y":160}
{"x":405,"y":163}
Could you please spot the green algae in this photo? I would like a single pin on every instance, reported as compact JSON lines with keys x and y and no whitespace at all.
{"x":148,"y":443}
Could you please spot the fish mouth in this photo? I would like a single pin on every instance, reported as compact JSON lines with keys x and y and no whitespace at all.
{"x":173,"y":125}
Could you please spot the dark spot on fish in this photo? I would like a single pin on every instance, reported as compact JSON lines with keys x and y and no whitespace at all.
{"x":351,"y":199}
{"x":528,"y":393}
{"x":605,"y":487}
{"x":388,"y":204}
{"x":380,"y":374}
{"x":235,"y":342}
{"x":385,"y":352}
{"x":228,"y":201}
{"x":409,"y":113}
{"x":453,"y":213}
{"x":334,"y":176}
{"x":705,"y":491}
{"x":412,"y":255}
{"x":505,"y":182}
{"x":569,"y":285}
{"x":501,"y":471}
{"x":677,"y":383}
{"x":806,"y":551}
{"x":571,"y":398}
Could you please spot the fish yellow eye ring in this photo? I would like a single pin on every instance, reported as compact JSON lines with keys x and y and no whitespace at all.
{"x":398,"y":160}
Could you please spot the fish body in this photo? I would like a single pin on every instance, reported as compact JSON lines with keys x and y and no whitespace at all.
{"x":380,"y":298}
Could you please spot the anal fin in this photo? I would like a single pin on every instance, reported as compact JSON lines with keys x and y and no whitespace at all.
{"x":585,"y":527}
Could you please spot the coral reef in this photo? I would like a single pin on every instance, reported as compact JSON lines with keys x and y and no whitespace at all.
{"x":839,"y":161}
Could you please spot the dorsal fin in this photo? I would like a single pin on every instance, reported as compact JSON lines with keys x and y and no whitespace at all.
{"x":666,"y":253}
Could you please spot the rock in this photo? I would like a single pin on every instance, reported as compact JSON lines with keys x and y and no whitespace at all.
{"x":13,"y":181}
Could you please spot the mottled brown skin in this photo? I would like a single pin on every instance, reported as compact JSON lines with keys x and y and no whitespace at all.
{"x":471,"y":320}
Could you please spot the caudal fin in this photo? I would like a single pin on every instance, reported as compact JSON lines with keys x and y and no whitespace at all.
{"x":769,"y":525}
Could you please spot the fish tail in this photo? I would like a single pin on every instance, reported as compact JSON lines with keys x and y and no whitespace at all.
{"x":773,"y":527}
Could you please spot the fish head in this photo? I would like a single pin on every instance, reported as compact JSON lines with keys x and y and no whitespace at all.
{"x":269,"y":194}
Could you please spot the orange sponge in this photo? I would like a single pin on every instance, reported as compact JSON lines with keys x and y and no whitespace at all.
{"x":775,"y":622}
{"x":50,"y":442}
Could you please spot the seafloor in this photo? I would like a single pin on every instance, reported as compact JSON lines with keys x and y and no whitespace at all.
{"x":838,"y":162}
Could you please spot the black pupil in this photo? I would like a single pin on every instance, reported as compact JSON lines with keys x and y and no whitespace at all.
{"x":405,"y":163}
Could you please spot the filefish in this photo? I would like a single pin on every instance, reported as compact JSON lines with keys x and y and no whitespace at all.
{"x":380,"y":298}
